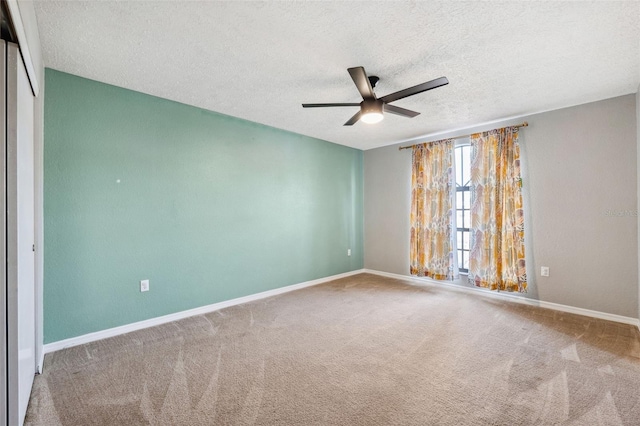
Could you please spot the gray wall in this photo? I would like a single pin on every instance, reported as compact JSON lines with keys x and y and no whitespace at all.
{"x":580,"y":186}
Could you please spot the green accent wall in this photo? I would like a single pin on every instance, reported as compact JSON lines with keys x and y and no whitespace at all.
{"x":206,"y":206}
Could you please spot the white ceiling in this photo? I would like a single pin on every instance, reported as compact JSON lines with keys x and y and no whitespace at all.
{"x":261,"y":60}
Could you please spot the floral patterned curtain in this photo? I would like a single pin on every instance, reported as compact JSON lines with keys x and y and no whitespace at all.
{"x":432,"y":191}
{"x":496,"y":259}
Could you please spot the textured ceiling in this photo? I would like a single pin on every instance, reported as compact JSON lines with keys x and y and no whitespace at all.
{"x":259,"y":61}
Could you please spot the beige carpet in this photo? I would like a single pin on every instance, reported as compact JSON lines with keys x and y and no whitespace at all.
{"x":364,"y":350}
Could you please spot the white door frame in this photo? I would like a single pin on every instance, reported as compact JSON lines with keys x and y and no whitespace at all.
{"x":3,"y":237}
{"x":20,"y":235}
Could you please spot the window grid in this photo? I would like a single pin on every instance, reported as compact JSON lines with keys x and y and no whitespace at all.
{"x":463,"y":206}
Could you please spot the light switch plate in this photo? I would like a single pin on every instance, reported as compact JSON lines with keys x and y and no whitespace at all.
{"x":144,"y":285}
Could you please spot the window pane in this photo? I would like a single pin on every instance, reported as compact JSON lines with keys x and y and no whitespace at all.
{"x":466,"y":164}
{"x":465,"y":260}
{"x":467,"y":218}
{"x":459,"y":239}
{"x":459,"y":223}
{"x":458,"y":167}
{"x":465,"y":240}
{"x":458,"y":199}
{"x":467,"y":199}
{"x":459,"y":259}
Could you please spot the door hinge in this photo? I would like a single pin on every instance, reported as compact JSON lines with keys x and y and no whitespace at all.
{"x":33,"y":247}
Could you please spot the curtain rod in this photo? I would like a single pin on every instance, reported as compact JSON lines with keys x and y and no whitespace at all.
{"x":525,"y":124}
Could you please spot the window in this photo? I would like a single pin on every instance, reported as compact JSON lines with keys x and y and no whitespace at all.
{"x":478,"y":222}
{"x":463,"y":204}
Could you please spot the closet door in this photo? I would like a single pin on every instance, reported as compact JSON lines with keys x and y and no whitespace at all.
{"x":20,"y":237}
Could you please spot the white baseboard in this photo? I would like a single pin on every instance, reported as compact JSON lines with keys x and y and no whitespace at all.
{"x":513,"y":298}
{"x":116,"y":331}
{"x":40,"y":364}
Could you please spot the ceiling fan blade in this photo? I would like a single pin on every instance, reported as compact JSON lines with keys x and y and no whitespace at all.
{"x":353,"y":119}
{"x":415,"y":90}
{"x":328,"y":105}
{"x":359,"y":77}
{"x":400,"y":111}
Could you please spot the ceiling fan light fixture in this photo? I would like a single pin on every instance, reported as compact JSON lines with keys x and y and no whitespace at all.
{"x":372,"y":117}
{"x":371,"y":111}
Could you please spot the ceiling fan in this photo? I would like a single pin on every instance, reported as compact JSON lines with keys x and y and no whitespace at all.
{"x":372,"y":107}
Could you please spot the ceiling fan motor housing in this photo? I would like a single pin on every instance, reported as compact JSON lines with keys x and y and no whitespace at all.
{"x":371,"y":106}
